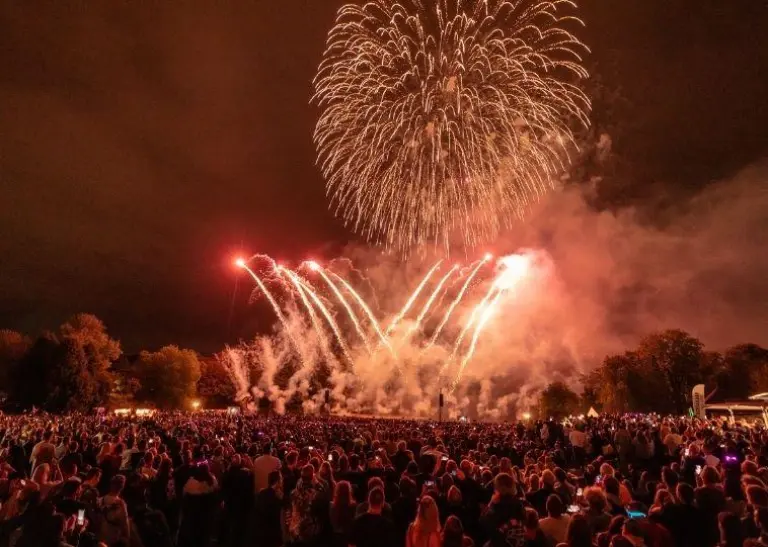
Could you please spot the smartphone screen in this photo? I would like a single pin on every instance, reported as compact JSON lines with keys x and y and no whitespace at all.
{"x":580,"y":492}
{"x":572,"y":509}
{"x":81,"y":517}
{"x":698,"y":470}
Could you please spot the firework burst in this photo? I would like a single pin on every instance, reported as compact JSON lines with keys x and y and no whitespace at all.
{"x":446,"y":117}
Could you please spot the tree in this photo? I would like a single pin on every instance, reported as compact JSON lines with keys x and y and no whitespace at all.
{"x":743,"y":372}
{"x":168,"y":377}
{"x":677,"y":358}
{"x":558,"y":400}
{"x":68,"y":370}
{"x":87,"y":334}
{"x":215,"y":385}
{"x":13,"y":347}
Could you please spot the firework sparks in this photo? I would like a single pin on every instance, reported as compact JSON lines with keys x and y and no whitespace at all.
{"x":430,"y":301}
{"x":446,"y":116}
{"x":315,"y":267}
{"x":413,"y":298}
{"x":458,"y":298}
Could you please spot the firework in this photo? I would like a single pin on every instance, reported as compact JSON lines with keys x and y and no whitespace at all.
{"x":446,"y":116}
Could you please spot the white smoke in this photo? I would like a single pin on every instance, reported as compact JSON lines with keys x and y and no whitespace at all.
{"x":596,"y":282}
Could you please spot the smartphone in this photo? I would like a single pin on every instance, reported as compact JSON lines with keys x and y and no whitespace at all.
{"x":599,"y":480}
{"x":687,"y":452}
{"x":81,"y":517}
{"x":22,"y":482}
{"x":330,"y":457}
{"x":454,"y":473}
{"x":573,"y":509}
{"x":429,"y":484}
{"x":635,"y":514}
{"x":445,"y":458}
{"x":698,"y":470}
{"x":580,"y":492}
{"x":311,"y":447}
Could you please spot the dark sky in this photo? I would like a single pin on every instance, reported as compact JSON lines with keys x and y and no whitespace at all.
{"x":139,"y":147}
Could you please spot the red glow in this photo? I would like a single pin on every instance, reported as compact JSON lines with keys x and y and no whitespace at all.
{"x":488,"y":256}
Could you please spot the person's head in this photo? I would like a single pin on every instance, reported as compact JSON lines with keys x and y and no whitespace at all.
{"x":307,"y":474}
{"x":93,"y":476}
{"x":662,"y":498}
{"x":342,"y":496}
{"x":453,"y":533}
{"x":274,"y":479}
{"x":376,"y":500}
{"x":579,"y":533}
{"x":633,"y":532}
{"x":427,"y":516}
{"x":620,"y":541}
{"x":669,"y":478}
{"x":504,"y":485}
{"x":407,"y":487}
{"x":617,"y":523}
{"x":710,"y":476}
{"x":757,"y":496}
{"x":761,"y":520}
{"x":71,"y":488}
{"x":606,"y":470}
{"x":611,"y":486}
{"x":554,"y":506}
{"x":685,"y":493}
{"x":731,"y":533}
{"x":548,"y":479}
{"x":291,"y":459}
{"x":750,"y":468}
{"x":595,"y":499}
{"x":531,"y":519}
{"x":375,"y":482}
{"x":116,"y":485}
{"x":454,"y":495}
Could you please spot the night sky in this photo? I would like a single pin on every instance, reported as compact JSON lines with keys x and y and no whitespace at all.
{"x":140,"y":147}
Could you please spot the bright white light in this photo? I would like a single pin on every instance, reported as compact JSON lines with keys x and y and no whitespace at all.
{"x":514,"y":269}
{"x":314,"y":266}
{"x":526,"y":415}
{"x":240,"y":263}
{"x":488,"y":256}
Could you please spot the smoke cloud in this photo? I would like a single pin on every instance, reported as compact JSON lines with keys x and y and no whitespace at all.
{"x":596,"y":282}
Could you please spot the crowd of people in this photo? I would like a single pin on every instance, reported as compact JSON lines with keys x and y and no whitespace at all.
{"x":227,"y":479}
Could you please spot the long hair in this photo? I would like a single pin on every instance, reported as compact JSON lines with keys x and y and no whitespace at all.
{"x":342,"y":496}
{"x":427,"y":517}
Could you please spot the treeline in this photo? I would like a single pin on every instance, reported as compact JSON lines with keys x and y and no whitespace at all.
{"x":79,"y":367}
{"x":658,"y":376}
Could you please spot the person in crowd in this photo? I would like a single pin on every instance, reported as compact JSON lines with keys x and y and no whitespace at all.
{"x":115,"y":524}
{"x":267,"y":526}
{"x":343,"y":510}
{"x":555,"y":524}
{"x":198,"y":508}
{"x":372,"y":528}
{"x":425,"y":529}
{"x":579,"y":533}
{"x":504,"y":520}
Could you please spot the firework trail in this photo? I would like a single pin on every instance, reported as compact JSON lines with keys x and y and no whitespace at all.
{"x":486,"y":315}
{"x":429,"y":303}
{"x":304,"y":289}
{"x":382,"y":338}
{"x":271,"y":300}
{"x":413,"y":298}
{"x":458,"y":299}
{"x":446,"y":116}
{"x":293,"y":278}
{"x":314,"y":266}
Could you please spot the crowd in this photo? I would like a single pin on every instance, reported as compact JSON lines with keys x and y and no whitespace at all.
{"x":232,"y":480}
